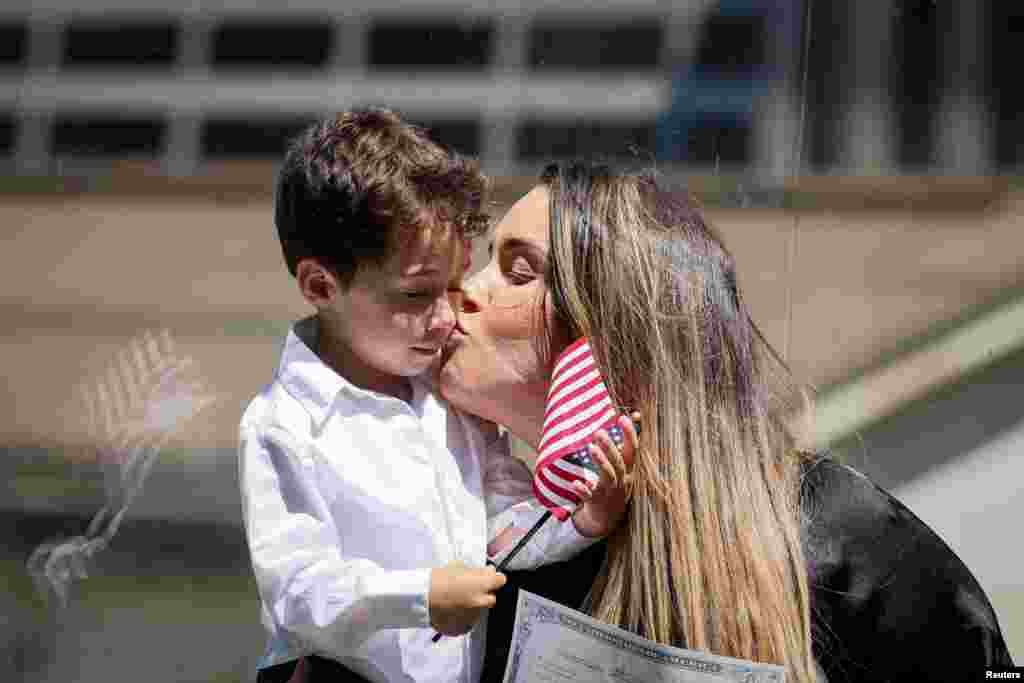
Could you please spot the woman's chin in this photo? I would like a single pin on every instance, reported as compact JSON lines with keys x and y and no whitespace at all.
{"x":447,"y":382}
{"x":453,"y":388}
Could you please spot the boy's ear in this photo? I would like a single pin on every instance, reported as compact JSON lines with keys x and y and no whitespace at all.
{"x":318,"y":285}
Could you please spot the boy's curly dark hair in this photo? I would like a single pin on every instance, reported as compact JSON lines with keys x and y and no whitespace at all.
{"x":351,"y":185}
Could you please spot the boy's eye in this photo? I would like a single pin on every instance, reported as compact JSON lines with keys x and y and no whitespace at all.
{"x":418,"y":295}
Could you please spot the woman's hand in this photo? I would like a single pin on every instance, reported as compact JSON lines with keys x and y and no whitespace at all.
{"x":604,"y":504}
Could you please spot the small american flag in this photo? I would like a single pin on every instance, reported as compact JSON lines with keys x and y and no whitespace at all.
{"x":578,"y":406}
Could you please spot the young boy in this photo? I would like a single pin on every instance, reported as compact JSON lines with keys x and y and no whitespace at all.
{"x":366,"y":498}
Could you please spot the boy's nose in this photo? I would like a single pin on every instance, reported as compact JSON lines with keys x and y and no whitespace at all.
{"x":471,"y":297}
{"x":444,"y":313}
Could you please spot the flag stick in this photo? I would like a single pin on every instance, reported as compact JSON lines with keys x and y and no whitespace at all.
{"x":617,"y":437}
{"x":519,"y":546}
{"x":524,"y":540}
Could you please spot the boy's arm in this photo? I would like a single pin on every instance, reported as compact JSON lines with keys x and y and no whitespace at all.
{"x":512,"y":510}
{"x":330,"y":602}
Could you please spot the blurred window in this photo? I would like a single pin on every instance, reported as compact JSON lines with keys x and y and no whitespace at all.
{"x":114,"y":136}
{"x":828,"y":45}
{"x":406,"y":44}
{"x":915,"y":82}
{"x":539,"y":140}
{"x":719,"y":139}
{"x":252,"y":138}
{"x":732,"y":46}
{"x":8,"y":132}
{"x":1006,"y":95}
{"x":711,"y":117}
{"x":621,"y":46}
{"x":107,"y":42}
{"x":259,"y":44}
{"x":13,"y":43}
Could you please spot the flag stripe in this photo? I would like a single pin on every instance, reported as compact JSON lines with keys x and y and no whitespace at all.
{"x":559,"y":506}
{"x":560,"y":390}
{"x":578,"y":405}
{"x":587,"y":424}
{"x":559,"y":488}
{"x":580,"y":348}
{"x":560,"y":470}
{"x":577,"y":420}
{"x":577,"y":365}
{"x":559,"y":406}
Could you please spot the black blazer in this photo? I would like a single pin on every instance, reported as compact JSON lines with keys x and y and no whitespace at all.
{"x":889,"y":600}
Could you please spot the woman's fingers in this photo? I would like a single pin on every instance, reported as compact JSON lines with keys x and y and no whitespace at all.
{"x":584,"y":491}
{"x":631,"y":442}
{"x":608,"y":457}
{"x":615,"y":462}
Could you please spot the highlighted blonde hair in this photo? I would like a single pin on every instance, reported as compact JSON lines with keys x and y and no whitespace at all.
{"x":709,"y":556}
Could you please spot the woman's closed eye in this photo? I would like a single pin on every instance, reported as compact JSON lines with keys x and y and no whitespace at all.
{"x":520,"y":271}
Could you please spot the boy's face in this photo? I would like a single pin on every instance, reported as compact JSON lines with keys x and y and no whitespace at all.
{"x":394,"y":320}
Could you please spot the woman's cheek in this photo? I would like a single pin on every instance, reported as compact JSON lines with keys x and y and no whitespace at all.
{"x":507,"y":321}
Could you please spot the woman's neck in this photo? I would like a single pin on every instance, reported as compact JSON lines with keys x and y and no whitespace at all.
{"x":525,"y":426}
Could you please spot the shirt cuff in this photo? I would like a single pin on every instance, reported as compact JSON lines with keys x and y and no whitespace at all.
{"x":401,"y":597}
{"x":570,"y":541}
{"x":554,"y":542}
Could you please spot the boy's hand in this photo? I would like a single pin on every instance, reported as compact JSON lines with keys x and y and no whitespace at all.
{"x":604,"y":505}
{"x":458,"y":595}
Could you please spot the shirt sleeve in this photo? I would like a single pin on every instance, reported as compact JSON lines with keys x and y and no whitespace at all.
{"x":512,"y":510}
{"x":310,"y":589}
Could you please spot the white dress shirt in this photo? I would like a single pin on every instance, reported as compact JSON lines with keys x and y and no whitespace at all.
{"x":350,"y":497}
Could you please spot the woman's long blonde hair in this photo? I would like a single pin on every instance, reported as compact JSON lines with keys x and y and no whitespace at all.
{"x":709,"y":556}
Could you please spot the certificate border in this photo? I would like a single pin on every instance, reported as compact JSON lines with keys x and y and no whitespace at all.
{"x":540,"y":610}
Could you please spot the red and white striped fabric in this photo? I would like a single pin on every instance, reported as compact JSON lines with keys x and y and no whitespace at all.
{"x":578,"y":406}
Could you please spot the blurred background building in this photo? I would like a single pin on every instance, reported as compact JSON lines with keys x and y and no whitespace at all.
{"x":862,"y":160}
{"x":900,"y":86}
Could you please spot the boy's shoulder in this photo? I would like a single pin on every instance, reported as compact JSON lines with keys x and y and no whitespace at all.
{"x":274,"y":407}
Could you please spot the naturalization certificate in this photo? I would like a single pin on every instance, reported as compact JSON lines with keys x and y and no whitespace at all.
{"x":554,"y":644}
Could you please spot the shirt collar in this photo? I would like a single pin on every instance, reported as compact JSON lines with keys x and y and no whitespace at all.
{"x":304,"y":375}
{"x":316,"y":386}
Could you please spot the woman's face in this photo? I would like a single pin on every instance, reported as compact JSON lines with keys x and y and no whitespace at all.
{"x":491,"y":365}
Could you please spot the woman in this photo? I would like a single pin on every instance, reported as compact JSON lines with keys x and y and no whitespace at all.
{"x":734,"y":541}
